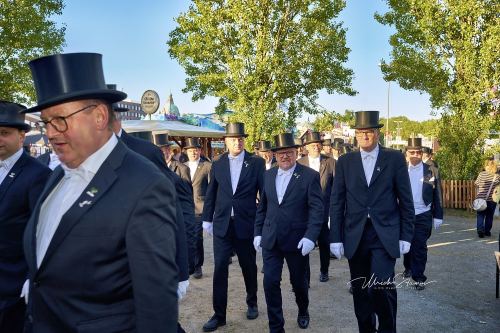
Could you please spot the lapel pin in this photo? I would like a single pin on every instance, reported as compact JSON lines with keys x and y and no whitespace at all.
{"x":92,"y":192}
{"x":12,"y":174}
{"x":83,"y":203}
{"x":246,"y":164}
{"x":296,"y":175}
{"x":378,"y":169}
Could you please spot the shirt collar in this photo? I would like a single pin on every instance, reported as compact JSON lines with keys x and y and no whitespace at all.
{"x":91,"y":165}
{"x":194,"y":162}
{"x":9,"y":162}
{"x":373,"y":153}
{"x":314,"y":159}
{"x":238,"y":158}
{"x":282,"y":172}
{"x":415,"y":167}
{"x":119,"y":134}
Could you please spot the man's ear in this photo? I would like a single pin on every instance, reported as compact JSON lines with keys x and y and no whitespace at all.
{"x":102,"y":116}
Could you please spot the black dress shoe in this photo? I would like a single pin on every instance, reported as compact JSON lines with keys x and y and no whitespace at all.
{"x":480,"y":234}
{"x":303,"y":320}
{"x":198,"y":273}
{"x":407,"y":273}
{"x":420,"y":286}
{"x":213,"y":324}
{"x":252,"y":312}
{"x":323,"y":277}
{"x":487,"y":234}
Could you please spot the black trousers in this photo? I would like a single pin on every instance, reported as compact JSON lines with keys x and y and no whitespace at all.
{"x":324,"y":252}
{"x":372,"y":280}
{"x":12,"y":317}
{"x":416,"y":259}
{"x":223,"y":248}
{"x":199,"y":257}
{"x":273,"y":267}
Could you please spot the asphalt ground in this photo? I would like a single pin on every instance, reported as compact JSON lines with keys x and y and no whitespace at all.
{"x":459,"y":296}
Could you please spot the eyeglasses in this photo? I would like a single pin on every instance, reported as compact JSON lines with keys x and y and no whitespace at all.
{"x":288,"y":153}
{"x":59,"y":123}
{"x":414,"y":152}
{"x":366,"y":132}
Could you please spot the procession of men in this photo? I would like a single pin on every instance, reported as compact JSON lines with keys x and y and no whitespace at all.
{"x":107,"y":238}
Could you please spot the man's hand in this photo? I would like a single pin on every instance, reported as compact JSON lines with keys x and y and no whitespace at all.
{"x":337,"y":249}
{"x":256,"y":243}
{"x":306,"y":245}
{"x":437,"y":223}
{"x":182,"y":289}
{"x":208,"y":227}
{"x":404,"y":247}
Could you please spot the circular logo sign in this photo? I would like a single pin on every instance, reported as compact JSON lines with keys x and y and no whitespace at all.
{"x":150,"y":101}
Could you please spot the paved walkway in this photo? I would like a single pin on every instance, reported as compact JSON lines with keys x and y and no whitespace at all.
{"x":461,"y":297}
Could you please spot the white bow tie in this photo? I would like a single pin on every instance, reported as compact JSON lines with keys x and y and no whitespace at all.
{"x":284,"y":173}
{"x":366,"y":156}
{"x":233,"y":157}
{"x":68,"y":173}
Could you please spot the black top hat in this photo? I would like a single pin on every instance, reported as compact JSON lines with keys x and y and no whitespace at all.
{"x":10,"y":116}
{"x":312,"y":137}
{"x":426,"y":150}
{"x":284,"y":140}
{"x":115,"y":106}
{"x":337,"y":143}
{"x":264,"y":146}
{"x":327,"y":142}
{"x":414,"y":143}
{"x":235,"y":130}
{"x":67,"y":77}
{"x":367,"y":119}
{"x":162,"y":140}
{"x":192,"y":143}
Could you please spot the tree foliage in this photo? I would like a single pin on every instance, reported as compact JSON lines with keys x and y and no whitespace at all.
{"x":325,"y":121}
{"x":265,"y":59}
{"x":26,"y":32}
{"x":449,"y":49}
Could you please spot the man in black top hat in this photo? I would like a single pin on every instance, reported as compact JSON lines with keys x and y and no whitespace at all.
{"x":337,"y":148}
{"x":22,"y":179}
{"x":174,"y":165}
{"x":236,"y":179}
{"x":327,"y":147}
{"x":199,"y":174}
{"x":371,"y":222}
{"x":427,"y":157}
{"x":325,"y":166}
{"x":288,"y":222}
{"x":100,"y":244}
{"x":264,"y":148}
{"x":426,"y":191}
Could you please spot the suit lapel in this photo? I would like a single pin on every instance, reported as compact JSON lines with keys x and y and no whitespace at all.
{"x":94,"y":191}
{"x":358,"y":168}
{"x":379,"y":165}
{"x":14,"y":172}
{"x":197,"y":171}
{"x":322,"y":165}
{"x":226,"y":171}
{"x":272,"y":178}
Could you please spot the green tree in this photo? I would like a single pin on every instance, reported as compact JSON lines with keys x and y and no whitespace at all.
{"x":325,"y":120}
{"x":26,"y":32}
{"x":449,"y":49}
{"x":266,"y":60}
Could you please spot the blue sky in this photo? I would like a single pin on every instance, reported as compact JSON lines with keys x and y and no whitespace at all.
{"x":132,"y":37}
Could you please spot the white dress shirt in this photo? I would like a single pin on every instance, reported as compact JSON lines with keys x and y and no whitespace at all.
{"x":64,"y":195}
{"x":235,"y":165}
{"x":192,"y":168}
{"x":314,"y":162}
{"x":53,"y":161}
{"x":269,"y":165}
{"x":369,"y":159}
{"x":282,"y":180}
{"x":416,"y":174}
{"x":7,"y":164}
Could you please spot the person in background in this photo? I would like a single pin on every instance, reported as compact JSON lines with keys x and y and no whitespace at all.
{"x":169,"y":154}
{"x":427,"y":197}
{"x":486,"y":181}
{"x":327,"y":147}
{"x":337,"y":148}
{"x":49,"y":158}
{"x":199,"y":172}
{"x":22,"y":179}
{"x":264,"y":148}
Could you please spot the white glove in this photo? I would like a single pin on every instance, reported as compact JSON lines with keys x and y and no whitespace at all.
{"x":208,"y":227}
{"x":437,"y":223}
{"x":182,"y":289}
{"x":25,"y":292}
{"x":404,"y":247}
{"x":306,"y":245}
{"x":256,"y":243}
{"x":337,"y":249}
